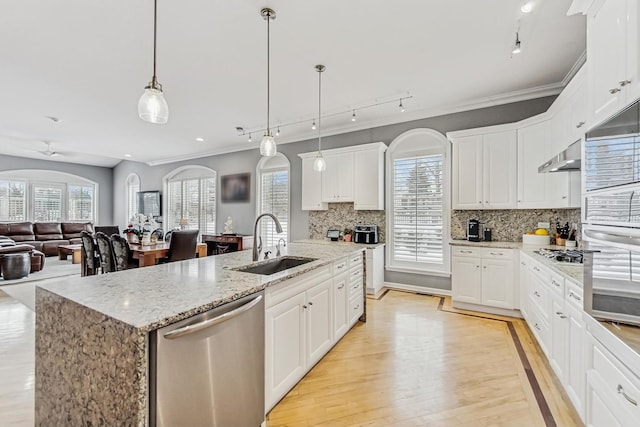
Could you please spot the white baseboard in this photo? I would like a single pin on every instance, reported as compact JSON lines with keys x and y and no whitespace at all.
{"x":419,"y":289}
{"x":486,"y":309}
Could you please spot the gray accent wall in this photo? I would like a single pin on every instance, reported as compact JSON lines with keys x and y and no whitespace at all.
{"x":101,"y":175}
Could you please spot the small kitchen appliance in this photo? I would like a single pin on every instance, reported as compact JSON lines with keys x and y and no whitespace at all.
{"x":366,"y":234}
{"x":473,"y":230}
{"x":333,"y":235}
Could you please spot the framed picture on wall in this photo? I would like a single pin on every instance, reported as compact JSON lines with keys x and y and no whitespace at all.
{"x":235,"y":188}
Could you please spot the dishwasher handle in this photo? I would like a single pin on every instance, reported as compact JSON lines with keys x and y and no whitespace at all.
{"x":190,"y":329}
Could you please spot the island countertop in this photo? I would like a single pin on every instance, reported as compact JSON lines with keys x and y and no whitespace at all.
{"x":149,"y":298}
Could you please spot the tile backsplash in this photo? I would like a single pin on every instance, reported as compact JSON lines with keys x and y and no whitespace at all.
{"x":342,"y":215}
{"x":510,"y":224}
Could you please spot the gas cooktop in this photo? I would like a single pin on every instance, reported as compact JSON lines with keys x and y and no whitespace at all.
{"x":562,"y":255}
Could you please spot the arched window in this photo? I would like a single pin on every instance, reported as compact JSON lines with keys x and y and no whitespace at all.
{"x":272,"y":175}
{"x":133,"y":187}
{"x":418,"y":188}
{"x":191,"y":199}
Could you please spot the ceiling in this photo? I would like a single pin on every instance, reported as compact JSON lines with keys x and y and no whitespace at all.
{"x":86,"y":62}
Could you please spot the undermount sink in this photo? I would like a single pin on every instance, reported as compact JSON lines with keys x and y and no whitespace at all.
{"x":275,"y":265}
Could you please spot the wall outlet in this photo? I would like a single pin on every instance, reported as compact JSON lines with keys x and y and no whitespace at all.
{"x":544,"y":225}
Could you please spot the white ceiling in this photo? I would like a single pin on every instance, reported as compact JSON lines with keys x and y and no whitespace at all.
{"x":87,"y":62}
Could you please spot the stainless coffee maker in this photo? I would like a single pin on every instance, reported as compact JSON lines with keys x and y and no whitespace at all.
{"x":473,"y":230}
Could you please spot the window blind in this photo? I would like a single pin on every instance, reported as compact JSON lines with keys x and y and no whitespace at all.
{"x":47,"y":203}
{"x":274,"y":199}
{"x":81,"y":202}
{"x":193,"y":199}
{"x":133,"y":187}
{"x":13,"y":201}
{"x":418,"y":203}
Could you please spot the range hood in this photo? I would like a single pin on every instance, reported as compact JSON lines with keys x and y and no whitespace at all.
{"x":567,"y":161}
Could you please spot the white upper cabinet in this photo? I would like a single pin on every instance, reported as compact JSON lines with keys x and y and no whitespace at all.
{"x":612,"y":49}
{"x":353,"y":174}
{"x":484,"y":168}
{"x":569,"y":114}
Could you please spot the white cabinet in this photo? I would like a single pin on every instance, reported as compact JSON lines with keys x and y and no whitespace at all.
{"x":569,"y":113}
{"x":311,"y":187}
{"x":483,"y":276}
{"x":375,"y":269}
{"x":575,"y":373}
{"x":353,"y":174}
{"x":612,"y":49}
{"x":337,"y":179}
{"x":542,"y":190}
{"x":340,"y":298}
{"x":484,"y":169}
{"x":319,"y":322}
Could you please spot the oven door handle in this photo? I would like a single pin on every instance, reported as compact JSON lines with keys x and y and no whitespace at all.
{"x":612,"y":237}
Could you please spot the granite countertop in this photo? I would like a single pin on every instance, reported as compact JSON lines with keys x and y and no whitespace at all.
{"x":572,"y":271}
{"x":340,"y":243}
{"x":149,"y":298}
{"x":484,"y":244}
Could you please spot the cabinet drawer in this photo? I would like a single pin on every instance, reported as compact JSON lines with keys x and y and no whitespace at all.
{"x":539,"y":295}
{"x":621,"y":385}
{"x":356,"y":308}
{"x":542,"y":272}
{"x":540,"y":328}
{"x":488,"y":253}
{"x":573,"y":295}
{"x":557,"y":283}
{"x":465,"y":251}
{"x":355,"y":259}
{"x":355,"y":286}
{"x":340,"y":266}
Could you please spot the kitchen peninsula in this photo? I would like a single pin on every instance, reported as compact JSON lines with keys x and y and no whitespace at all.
{"x":92,"y":333}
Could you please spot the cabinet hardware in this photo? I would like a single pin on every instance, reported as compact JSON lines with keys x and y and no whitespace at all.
{"x":562,"y":316}
{"x":523,"y":263}
{"x":466,"y":252}
{"x":536,"y":269}
{"x":614,"y":90}
{"x":340,"y":266}
{"x":555,"y":283}
{"x":477,"y":266}
{"x":537,"y":327}
{"x":341,"y":286}
{"x":626,"y":396}
{"x":356,"y":307}
{"x":310,"y":303}
{"x":536,"y":294}
{"x":496,"y":253}
{"x":579,"y":125}
{"x":356,"y":286}
{"x":480,"y":202}
{"x":304,"y":306}
{"x":564,"y":197}
{"x":574,"y":296}
{"x":487,"y":202}
{"x":625,"y":82}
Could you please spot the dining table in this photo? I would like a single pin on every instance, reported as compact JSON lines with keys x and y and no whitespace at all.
{"x":150,"y":254}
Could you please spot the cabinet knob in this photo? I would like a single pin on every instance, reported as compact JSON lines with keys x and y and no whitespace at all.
{"x":614,"y":90}
{"x":519,"y":201}
{"x":480,"y":202}
{"x":487,"y":202}
{"x":624,"y":83}
{"x":310,"y":303}
{"x":564,"y":197}
{"x":304,"y":306}
{"x":579,"y":125}
{"x":485,"y":267}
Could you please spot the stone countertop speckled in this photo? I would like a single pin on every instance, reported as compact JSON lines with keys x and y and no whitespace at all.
{"x":484,"y":244}
{"x":149,"y":298}
{"x":341,"y":243}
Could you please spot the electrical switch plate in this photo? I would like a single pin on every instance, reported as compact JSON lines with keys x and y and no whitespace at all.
{"x":544,"y":225}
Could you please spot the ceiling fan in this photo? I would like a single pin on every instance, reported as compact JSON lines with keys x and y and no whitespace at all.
{"x":48,"y":152}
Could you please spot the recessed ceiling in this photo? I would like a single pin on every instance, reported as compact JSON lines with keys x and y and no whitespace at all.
{"x":87,"y":62}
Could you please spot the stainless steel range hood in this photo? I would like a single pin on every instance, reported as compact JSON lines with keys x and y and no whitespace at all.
{"x":567,"y":161}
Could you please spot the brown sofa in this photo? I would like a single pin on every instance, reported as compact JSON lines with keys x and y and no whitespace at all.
{"x":45,"y":236}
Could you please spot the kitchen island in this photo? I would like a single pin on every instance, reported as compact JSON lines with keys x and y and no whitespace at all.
{"x":92,"y":333}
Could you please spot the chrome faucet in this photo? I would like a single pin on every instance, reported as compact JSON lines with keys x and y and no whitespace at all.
{"x":284,"y":244}
{"x":257,"y":248}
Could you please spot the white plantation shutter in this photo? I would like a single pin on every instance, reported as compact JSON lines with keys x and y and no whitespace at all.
{"x":13,"y":201}
{"x":81,"y":202}
{"x":47,"y":203}
{"x":193,"y":199}
{"x":133,"y":187}
{"x":274,"y":199}
{"x":418,"y":216}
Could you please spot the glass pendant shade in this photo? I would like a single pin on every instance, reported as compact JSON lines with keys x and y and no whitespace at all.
{"x":268,"y":146}
{"x":152,"y":107}
{"x":319,"y":165}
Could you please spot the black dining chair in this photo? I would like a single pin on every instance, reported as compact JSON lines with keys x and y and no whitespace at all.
{"x":91,"y":257}
{"x":107,"y":229}
{"x":105,"y":250}
{"x":183,"y":245}
{"x":121,"y":253}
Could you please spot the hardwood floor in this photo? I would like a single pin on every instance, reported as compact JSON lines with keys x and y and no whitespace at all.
{"x":416,"y":362}
{"x":419,"y":362}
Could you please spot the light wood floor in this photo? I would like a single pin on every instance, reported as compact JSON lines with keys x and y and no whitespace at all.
{"x":417,"y":364}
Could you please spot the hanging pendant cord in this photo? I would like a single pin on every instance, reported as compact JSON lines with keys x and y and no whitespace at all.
{"x":268,"y":64}
{"x":155,"y":23}
{"x":319,"y":110}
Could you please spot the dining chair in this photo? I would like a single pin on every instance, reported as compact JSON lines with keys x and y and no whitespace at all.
{"x":107,"y":229}
{"x":91,"y":259}
{"x":105,"y":250}
{"x":183,"y":245}
{"x":121,"y":253}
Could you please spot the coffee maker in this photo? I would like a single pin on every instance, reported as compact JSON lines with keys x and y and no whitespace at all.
{"x":473,"y":230}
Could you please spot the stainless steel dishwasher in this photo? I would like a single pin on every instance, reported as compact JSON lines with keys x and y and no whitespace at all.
{"x":208,"y":370}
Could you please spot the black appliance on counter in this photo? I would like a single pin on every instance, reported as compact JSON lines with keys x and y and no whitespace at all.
{"x":366,"y":234}
{"x":473,"y":230}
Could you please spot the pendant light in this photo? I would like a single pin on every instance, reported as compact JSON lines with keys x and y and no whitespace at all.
{"x":268,"y":143}
{"x":319,"y":164}
{"x":152,"y":107}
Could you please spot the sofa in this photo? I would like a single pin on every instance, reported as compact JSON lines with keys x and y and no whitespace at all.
{"x":8,"y":246}
{"x":45,"y":236}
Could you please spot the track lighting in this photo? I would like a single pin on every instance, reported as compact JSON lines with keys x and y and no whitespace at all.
{"x":527,"y":7}
{"x":353,"y":116}
{"x":401,"y":106}
{"x":313,"y":125}
{"x":516,"y":46}
{"x":152,"y":107}
{"x":268,"y":144}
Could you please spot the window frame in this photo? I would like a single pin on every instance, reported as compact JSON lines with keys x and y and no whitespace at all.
{"x":411,"y":144}
{"x":182,"y":175}
{"x":281,"y":164}
{"x":132,"y":181}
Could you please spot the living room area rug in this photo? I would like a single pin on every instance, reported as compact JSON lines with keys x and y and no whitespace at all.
{"x":23,"y":289}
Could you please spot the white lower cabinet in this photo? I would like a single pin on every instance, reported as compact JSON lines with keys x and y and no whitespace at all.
{"x":304,"y":317}
{"x":483,"y":276}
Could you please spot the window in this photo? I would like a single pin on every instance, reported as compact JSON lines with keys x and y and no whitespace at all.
{"x":47,"y":202}
{"x":418,"y":186}
{"x":192,"y":198}
{"x":273,"y":197}
{"x":13,"y":200}
{"x":81,"y":202}
{"x":133,"y":187}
